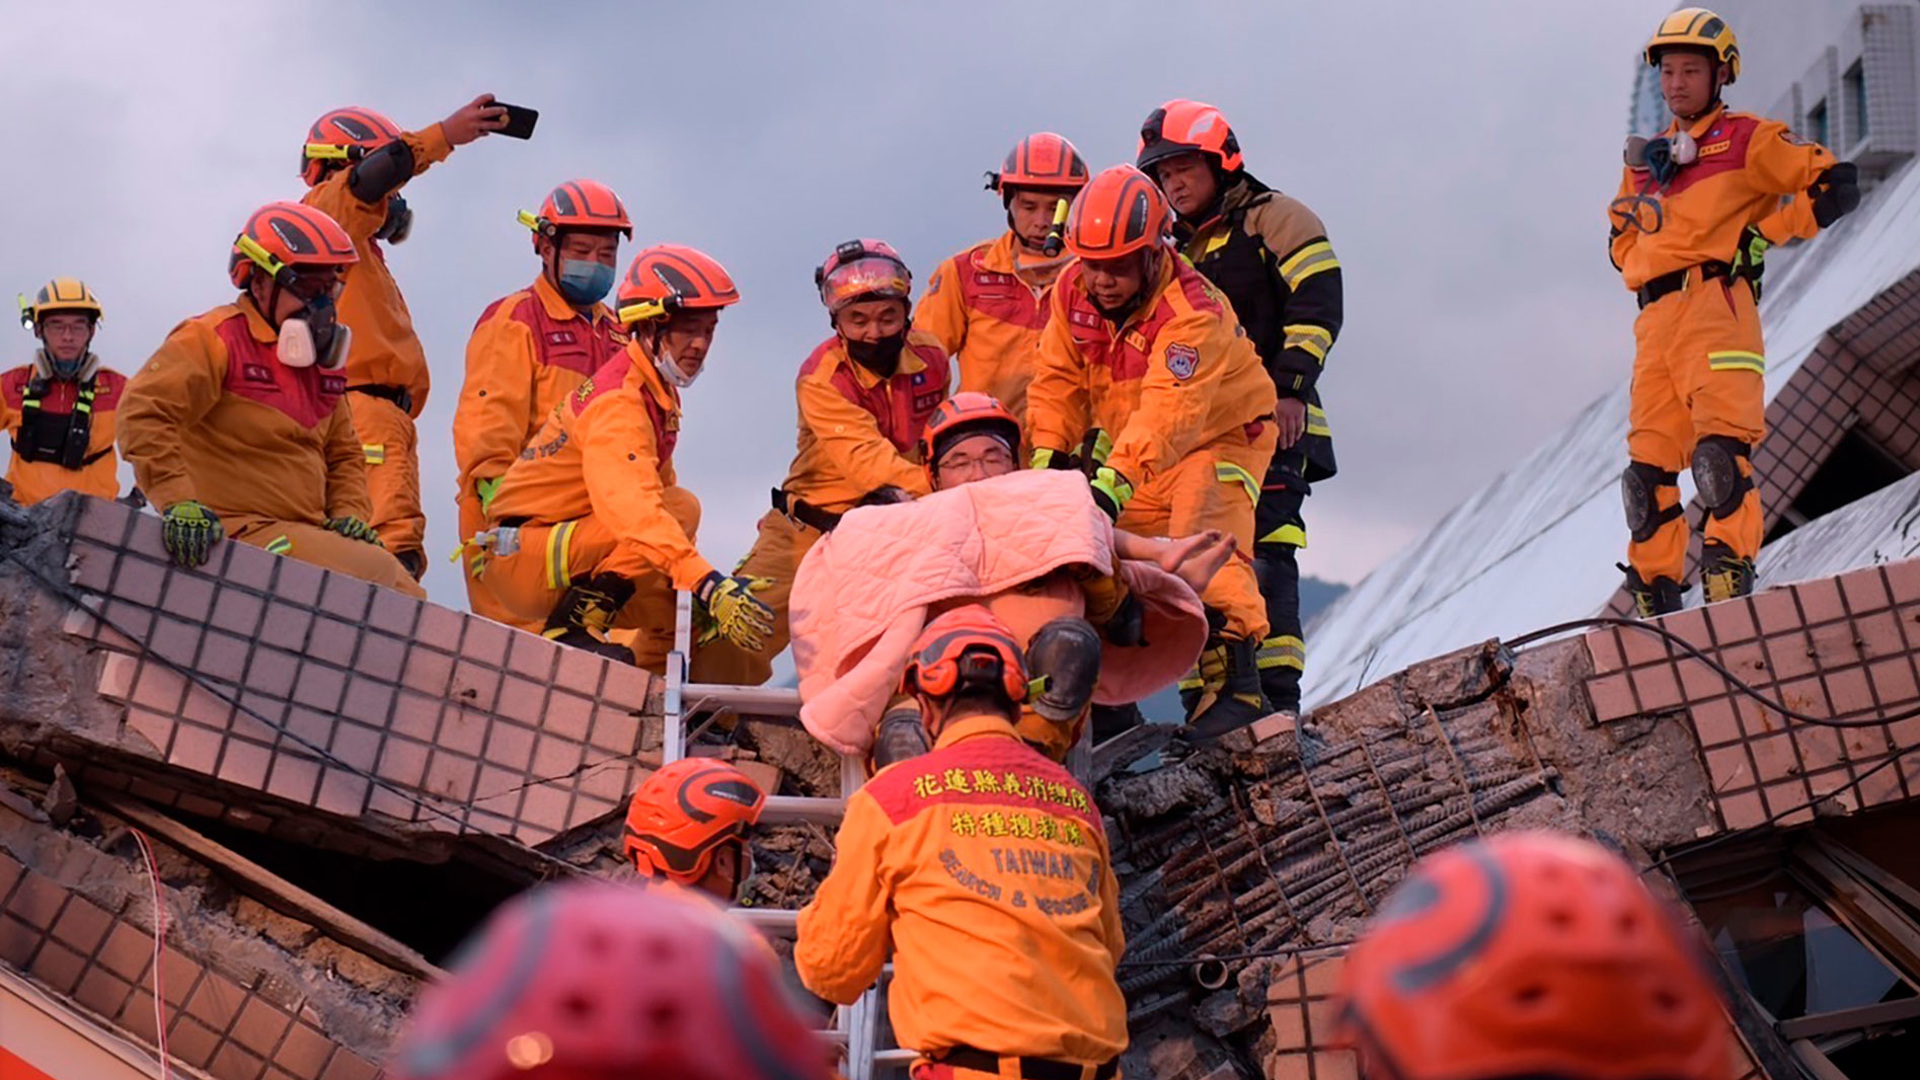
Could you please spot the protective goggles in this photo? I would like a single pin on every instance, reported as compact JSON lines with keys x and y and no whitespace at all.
{"x":863,"y":274}
{"x":307,"y":283}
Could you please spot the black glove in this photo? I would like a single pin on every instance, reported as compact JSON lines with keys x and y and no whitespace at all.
{"x":1835,"y":192}
{"x":1750,"y":260}
{"x":886,"y":495}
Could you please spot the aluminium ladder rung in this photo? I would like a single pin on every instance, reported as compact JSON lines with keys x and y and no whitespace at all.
{"x":769,"y":920}
{"x":789,"y":809}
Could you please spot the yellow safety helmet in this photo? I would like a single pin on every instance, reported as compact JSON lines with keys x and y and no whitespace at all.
{"x":60,"y":294}
{"x":1696,"y":28}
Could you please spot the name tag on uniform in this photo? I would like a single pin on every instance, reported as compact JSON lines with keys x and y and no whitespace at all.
{"x":561,"y":337}
{"x":256,"y":373}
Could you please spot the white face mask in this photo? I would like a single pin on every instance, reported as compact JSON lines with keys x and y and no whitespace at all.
{"x":671,"y":372}
{"x":296,"y":349}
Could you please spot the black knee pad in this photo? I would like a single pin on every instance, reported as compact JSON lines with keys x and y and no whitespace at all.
{"x":1722,"y":483}
{"x":381,"y":172}
{"x":1640,"y":488}
{"x":1066,"y":654}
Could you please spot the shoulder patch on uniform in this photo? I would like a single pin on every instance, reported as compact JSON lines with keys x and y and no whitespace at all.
{"x":1182,"y":359}
{"x":939,"y":278}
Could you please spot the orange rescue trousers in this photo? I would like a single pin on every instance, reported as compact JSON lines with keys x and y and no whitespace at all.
{"x":325,"y":548}
{"x":775,"y":556}
{"x":1214,"y":487}
{"x":480,"y":598}
{"x":550,"y":558}
{"x":1698,"y":370}
{"x":393,"y":472}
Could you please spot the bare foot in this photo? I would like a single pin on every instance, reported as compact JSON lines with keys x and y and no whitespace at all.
{"x":1203,"y":559}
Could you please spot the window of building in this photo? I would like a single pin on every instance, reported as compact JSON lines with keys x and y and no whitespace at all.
{"x":1855,"y":468}
{"x":1854,"y":84}
{"x":1817,"y":126}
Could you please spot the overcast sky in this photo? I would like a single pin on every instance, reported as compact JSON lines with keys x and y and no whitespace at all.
{"x":1461,"y":154}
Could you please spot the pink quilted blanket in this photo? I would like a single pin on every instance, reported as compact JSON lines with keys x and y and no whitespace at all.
{"x":865,"y":590}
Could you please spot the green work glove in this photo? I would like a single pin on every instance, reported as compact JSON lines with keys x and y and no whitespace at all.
{"x":1051,"y":459}
{"x":486,"y":489}
{"x":354,"y":529}
{"x":1111,"y":491}
{"x":738,"y":615}
{"x":189,"y":531}
{"x":1750,"y":261}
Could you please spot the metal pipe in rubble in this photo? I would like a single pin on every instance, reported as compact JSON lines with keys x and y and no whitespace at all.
{"x":1209,"y":973}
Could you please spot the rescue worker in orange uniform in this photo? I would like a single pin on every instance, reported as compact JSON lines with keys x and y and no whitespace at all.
{"x":988,"y":304}
{"x":1269,"y":254}
{"x":600,"y":980}
{"x":864,"y":398}
{"x":58,"y":411}
{"x":1531,"y":954}
{"x":534,"y":347}
{"x":238,"y":425}
{"x":687,"y":824}
{"x":354,"y":163}
{"x":1697,"y":208}
{"x":1143,"y":347}
{"x":983,"y":869}
{"x":590,"y":530}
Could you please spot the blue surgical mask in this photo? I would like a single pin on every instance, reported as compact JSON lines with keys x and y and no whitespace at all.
{"x":584,"y":281}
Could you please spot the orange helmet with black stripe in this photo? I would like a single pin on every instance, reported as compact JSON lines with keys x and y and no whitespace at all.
{"x":966,"y":647}
{"x":667,"y":278}
{"x":343,"y":135}
{"x":1121,"y":211}
{"x":580,"y":204}
{"x":968,"y":412}
{"x":685,"y":812}
{"x":1188,"y":127}
{"x":1531,"y":954}
{"x":1040,"y":162}
{"x":281,"y":237}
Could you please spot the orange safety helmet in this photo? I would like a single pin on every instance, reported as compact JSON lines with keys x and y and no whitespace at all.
{"x":686,"y":811}
{"x":667,"y":278}
{"x":1531,"y":954}
{"x":283,"y":235}
{"x":1188,"y":127}
{"x":579,"y":204}
{"x":968,"y":645}
{"x":862,"y":270}
{"x":1043,"y":162}
{"x":347,"y":134}
{"x":1121,"y":211}
{"x":968,"y":412}
{"x":598,"y":980}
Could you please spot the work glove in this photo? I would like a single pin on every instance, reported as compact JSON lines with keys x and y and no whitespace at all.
{"x":1750,"y":261}
{"x":1051,"y":459}
{"x":886,"y":495}
{"x":1111,"y":491}
{"x":1094,"y":450}
{"x":1836,"y":192}
{"x":189,"y":531}
{"x":353,"y":529}
{"x":486,"y":489}
{"x":738,"y":615}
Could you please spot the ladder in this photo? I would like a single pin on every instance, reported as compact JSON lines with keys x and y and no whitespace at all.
{"x":856,"y":1027}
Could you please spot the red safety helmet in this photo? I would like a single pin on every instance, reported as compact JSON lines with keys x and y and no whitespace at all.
{"x":1187,"y":127}
{"x":1121,"y":211}
{"x":1531,"y":954}
{"x":862,"y":270}
{"x":1041,"y":162}
{"x":667,"y":278}
{"x":348,"y":135}
{"x":579,"y":204}
{"x":605,"y":981}
{"x":282,"y":236}
{"x":684,"y":812}
{"x":966,"y":413}
{"x":966,"y":646}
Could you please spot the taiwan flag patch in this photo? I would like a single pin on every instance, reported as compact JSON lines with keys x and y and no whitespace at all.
{"x":1182,"y":360}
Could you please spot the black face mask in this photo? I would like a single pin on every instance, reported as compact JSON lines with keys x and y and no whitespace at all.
{"x":881,"y":357}
{"x":399,"y":221}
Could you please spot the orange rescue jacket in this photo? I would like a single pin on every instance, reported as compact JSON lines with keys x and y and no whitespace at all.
{"x":1178,"y":374}
{"x":987,"y":310}
{"x":1745,"y":164}
{"x":385,"y":350}
{"x":984,"y":868}
{"x":859,"y":432}
{"x":607,"y":450}
{"x":528,"y":352}
{"x":37,"y":421}
{"x":215,"y":416}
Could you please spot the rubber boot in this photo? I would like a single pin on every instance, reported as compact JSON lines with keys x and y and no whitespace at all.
{"x":1237,"y":701}
{"x":1650,"y":601}
{"x":1724,"y":575}
{"x":1064,"y":657}
{"x":585,"y":613}
{"x":899,"y":737}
